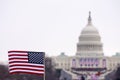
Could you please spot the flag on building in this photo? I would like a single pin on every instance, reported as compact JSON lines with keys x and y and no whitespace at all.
{"x":104,"y":63}
{"x":88,"y":61}
{"x":96,"y":61}
{"x":73,"y":63}
{"x":91,"y":61}
{"x":26,"y":62}
{"x":85,"y":61}
{"x":80,"y":62}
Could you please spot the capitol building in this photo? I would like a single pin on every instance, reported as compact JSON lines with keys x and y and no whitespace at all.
{"x":89,"y":57}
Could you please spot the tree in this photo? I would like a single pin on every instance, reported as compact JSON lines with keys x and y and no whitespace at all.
{"x":114,"y":75}
{"x":3,"y":72}
{"x":117,"y":74}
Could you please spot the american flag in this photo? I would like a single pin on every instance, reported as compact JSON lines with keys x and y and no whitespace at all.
{"x":92,"y":61}
{"x":81,"y":61}
{"x":73,"y":63}
{"x":88,"y":61}
{"x":26,"y":62}
{"x":97,"y":62}
{"x":104,"y":63}
{"x":85,"y":61}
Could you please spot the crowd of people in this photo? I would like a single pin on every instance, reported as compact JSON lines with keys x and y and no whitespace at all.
{"x":92,"y":76}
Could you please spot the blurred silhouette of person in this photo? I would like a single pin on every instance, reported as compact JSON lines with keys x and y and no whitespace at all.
{"x":82,"y":77}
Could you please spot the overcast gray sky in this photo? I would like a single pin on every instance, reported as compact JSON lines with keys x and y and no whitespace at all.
{"x":53,"y":26}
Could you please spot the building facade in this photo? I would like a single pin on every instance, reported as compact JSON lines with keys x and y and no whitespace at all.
{"x":89,"y":58}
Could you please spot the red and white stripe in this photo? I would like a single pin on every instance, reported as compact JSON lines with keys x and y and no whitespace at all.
{"x":18,"y":63}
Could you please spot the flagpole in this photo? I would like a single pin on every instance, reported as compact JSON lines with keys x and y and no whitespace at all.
{"x":44,"y":66}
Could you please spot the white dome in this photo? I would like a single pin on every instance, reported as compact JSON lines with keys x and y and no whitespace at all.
{"x":89,"y":33}
{"x":89,"y":29}
{"x":89,"y":41}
